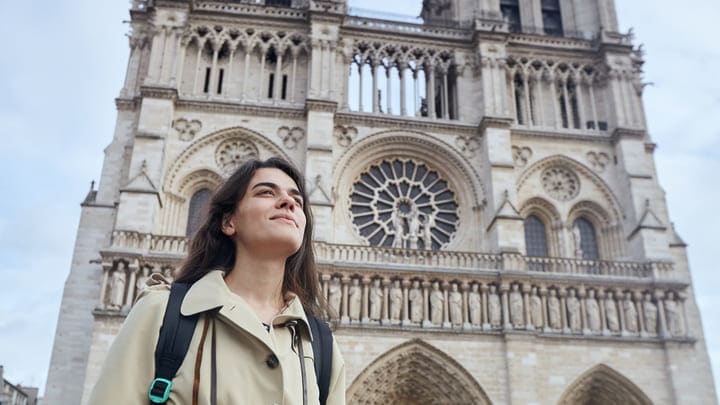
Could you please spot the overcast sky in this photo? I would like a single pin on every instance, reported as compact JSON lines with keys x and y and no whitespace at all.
{"x":63,"y":64}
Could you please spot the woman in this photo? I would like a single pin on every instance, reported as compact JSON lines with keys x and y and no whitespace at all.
{"x":253,"y":278}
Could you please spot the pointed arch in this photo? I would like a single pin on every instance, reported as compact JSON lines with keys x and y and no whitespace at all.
{"x":602,"y":385}
{"x":415,"y":372}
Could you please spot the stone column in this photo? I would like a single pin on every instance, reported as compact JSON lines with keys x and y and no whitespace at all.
{"x":345,"y":318}
{"x":603,"y":319}
{"x":543,"y":291}
{"x":375,"y":98}
{"x":426,"y":304}
{"x":562,"y":293}
{"x":405,"y":313}
{"x":365,"y":315}
{"x":504,"y":288}
{"x":484,"y":307}
{"x":662,"y":323}
{"x":401,"y":71}
{"x":446,"y":305}
{"x":582,"y":293}
{"x":430,"y":90}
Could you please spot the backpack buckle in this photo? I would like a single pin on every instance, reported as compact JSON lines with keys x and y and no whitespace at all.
{"x":159,"y":390}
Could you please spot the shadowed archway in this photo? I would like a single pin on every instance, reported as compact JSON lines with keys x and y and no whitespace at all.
{"x":601,"y":385}
{"x":415,"y":373}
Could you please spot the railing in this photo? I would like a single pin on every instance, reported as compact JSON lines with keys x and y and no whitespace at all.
{"x":339,"y":254}
{"x":525,"y":29}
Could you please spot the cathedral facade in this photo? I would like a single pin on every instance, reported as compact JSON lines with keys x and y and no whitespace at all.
{"x":489,"y":224}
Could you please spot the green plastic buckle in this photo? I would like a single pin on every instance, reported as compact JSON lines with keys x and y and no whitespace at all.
{"x":159,"y":394}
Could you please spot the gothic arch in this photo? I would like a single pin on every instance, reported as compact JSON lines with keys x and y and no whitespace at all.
{"x":415,"y":372}
{"x":610,"y":203}
{"x":443,"y":158}
{"x":195,"y":158}
{"x":550,"y":217}
{"x":602,"y":385}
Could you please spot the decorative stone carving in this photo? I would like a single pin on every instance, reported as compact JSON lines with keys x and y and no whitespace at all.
{"x":468,"y":145}
{"x":560,"y":183}
{"x":416,"y":303}
{"x":494,"y":309}
{"x":345,"y":135}
{"x":395,"y":298}
{"x":573,"y":312}
{"x":376,"y":299}
{"x":436,"y":304}
{"x":290,"y":136}
{"x":593,"y":312}
{"x":142,"y":278}
{"x":186,"y":129}
{"x":118,"y":282}
{"x":553,"y":304}
{"x":536,"y":317}
{"x":611,"y":313}
{"x":455,"y":305}
{"x":403,"y":204}
{"x":598,"y":160}
{"x":354,"y":300}
{"x":335,"y":296}
{"x":673,"y":315}
{"x":631,"y":314}
{"x":474,"y":305}
{"x":650,"y":311}
{"x":521,"y":155}
{"x":232,"y":153}
{"x":516,"y":307}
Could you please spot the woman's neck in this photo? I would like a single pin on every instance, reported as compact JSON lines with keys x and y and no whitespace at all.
{"x":259,"y":281}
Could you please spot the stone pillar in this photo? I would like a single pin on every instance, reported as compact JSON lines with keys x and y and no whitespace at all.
{"x":344,"y":317}
{"x":504,"y":288}
{"x":365,"y":315}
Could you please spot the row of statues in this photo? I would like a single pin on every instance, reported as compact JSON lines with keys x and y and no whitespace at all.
{"x":512,"y":306}
{"x":472,"y":305}
{"x":123,"y":284}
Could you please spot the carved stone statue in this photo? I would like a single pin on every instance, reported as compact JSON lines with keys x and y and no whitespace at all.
{"x":117,"y":284}
{"x":631,"y":315}
{"x":673,"y":315}
{"x":426,"y":234}
{"x":516,"y":307}
{"x":436,"y":304}
{"x":494,"y":309}
{"x":142,"y":278}
{"x":611,"y":313}
{"x":553,"y":304}
{"x":593,"y":312}
{"x":335,"y":296}
{"x":474,"y":305}
{"x":573,"y":312}
{"x":455,"y":305}
{"x":650,"y":311}
{"x":397,"y":222}
{"x":355,"y":300}
{"x":376,"y":299}
{"x":577,"y":242}
{"x":396,"y":296}
{"x":416,"y":302}
{"x":536,"y":317}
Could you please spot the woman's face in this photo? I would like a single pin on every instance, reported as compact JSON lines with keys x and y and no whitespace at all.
{"x":269,"y":219}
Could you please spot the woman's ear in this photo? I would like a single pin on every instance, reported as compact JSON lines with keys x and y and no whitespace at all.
{"x":228,"y":228}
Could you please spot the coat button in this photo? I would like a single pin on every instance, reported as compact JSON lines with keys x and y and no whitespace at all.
{"x":272,"y":361}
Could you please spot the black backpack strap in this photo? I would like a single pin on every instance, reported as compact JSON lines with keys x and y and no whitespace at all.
{"x":172,"y":346}
{"x":322,"y":345}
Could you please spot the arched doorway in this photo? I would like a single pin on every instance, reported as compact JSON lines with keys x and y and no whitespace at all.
{"x":415,"y":373}
{"x":601,"y":385}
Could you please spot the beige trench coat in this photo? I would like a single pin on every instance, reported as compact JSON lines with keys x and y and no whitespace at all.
{"x":246,"y":370}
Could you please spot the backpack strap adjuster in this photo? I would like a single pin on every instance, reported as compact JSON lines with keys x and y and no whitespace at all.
{"x":159,"y":390}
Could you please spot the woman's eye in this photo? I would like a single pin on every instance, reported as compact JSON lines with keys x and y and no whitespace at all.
{"x":299,"y":202}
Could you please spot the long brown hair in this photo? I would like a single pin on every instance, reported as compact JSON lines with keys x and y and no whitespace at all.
{"x":210,"y":249}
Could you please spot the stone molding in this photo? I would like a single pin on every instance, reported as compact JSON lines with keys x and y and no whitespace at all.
{"x":237,"y":108}
{"x":358,"y":119}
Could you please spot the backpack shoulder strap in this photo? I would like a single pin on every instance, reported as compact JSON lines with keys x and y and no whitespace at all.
{"x":322,"y":345}
{"x":172,"y":346}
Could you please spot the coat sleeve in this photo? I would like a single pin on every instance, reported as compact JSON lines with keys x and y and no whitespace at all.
{"x":129,"y":367}
{"x":336,"y":392}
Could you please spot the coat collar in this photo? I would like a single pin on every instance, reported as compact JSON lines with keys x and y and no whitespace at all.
{"x":211,"y":292}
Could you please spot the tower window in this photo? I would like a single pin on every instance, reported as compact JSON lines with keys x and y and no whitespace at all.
{"x":197,"y":211}
{"x":510,"y":10}
{"x":220,"y":81}
{"x":552,"y":21}
{"x":284,"y":87}
{"x":271,"y":84}
{"x":535,"y":237}
{"x":588,"y":239}
{"x":206,"y":87}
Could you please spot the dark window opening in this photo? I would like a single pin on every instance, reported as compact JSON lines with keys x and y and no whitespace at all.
{"x":590,"y":124}
{"x":283,"y":95}
{"x":220,"y":80}
{"x":535,"y":237}
{"x":588,"y":240}
{"x":602,"y":125}
{"x":519,"y":100}
{"x":278,"y":3}
{"x":206,"y":87}
{"x":552,"y":20}
{"x":197,"y":211}
{"x":271,"y":84}
{"x":563,"y":112}
{"x":510,"y":10}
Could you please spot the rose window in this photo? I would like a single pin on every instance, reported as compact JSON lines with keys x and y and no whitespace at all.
{"x":404,"y":204}
{"x":232,"y":153}
{"x":560,"y":183}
